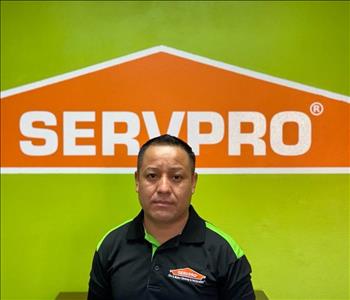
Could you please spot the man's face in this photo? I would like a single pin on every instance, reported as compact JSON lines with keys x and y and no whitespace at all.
{"x":165,"y":183}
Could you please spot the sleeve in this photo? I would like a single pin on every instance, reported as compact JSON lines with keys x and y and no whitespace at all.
{"x":99,"y":284}
{"x":237,"y":284}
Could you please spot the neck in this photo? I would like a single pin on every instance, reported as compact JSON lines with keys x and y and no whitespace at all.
{"x":163,"y":231}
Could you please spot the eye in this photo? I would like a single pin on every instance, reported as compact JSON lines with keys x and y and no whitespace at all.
{"x":177,"y":178}
{"x":151,"y":176}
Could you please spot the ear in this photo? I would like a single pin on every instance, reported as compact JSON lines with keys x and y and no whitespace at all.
{"x":136,"y":176}
{"x":194,"y":181}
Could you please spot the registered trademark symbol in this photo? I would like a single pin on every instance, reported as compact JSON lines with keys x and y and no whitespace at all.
{"x":316,"y":108}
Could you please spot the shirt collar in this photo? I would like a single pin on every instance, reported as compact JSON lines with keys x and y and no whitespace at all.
{"x":194,"y":230}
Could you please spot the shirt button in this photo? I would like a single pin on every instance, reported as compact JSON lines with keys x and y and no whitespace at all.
{"x":156,"y":268}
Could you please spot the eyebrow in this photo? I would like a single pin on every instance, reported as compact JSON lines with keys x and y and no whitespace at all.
{"x":171,"y":168}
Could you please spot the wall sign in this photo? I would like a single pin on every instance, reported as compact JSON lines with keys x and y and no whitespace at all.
{"x":237,"y":121}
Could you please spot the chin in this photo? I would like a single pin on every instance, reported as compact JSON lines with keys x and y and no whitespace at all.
{"x":163,"y":216}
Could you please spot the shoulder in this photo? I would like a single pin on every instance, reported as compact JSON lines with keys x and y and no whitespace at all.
{"x":114,"y":235}
{"x":221,"y":241}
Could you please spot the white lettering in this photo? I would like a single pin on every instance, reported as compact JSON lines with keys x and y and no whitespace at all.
{"x":152,"y":124}
{"x":195,"y":138}
{"x":236,"y":138}
{"x":49,"y":136}
{"x":110,"y":138}
{"x":123,"y":128}
{"x":304,"y":133}
{"x":71,"y":133}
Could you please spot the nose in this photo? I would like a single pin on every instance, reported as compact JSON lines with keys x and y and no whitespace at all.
{"x":163,"y":185}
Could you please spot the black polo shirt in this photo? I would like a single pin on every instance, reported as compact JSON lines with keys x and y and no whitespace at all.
{"x":200,"y":263}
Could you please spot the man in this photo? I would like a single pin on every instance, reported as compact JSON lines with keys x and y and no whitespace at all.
{"x":168,"y":252}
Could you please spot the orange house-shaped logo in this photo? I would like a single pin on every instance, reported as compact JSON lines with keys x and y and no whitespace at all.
{"x":236,"y":120}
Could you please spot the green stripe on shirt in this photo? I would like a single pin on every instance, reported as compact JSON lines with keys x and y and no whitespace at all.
{"x":236,"y":249}
{"x":152,"y":240}
{"x":120,"y":225}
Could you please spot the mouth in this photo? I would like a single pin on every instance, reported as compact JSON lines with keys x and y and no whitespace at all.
{"x":161,"y":203}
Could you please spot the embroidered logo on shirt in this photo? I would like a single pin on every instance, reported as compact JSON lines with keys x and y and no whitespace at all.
{"x":187,"y":274}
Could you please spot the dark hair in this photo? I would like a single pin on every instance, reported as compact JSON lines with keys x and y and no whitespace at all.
{"x":167,"y":140}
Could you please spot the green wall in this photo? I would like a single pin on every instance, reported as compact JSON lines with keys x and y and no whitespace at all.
{"x":293,"y":228}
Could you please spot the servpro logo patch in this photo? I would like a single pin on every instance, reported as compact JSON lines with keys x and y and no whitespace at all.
{"x":187,"y":274}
